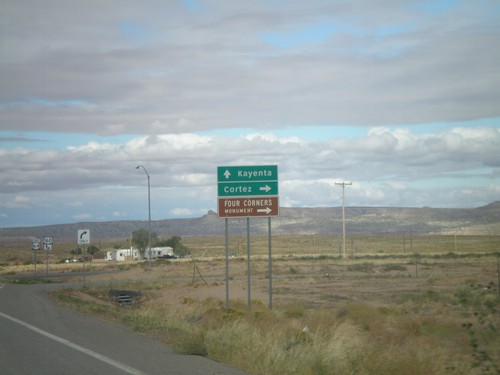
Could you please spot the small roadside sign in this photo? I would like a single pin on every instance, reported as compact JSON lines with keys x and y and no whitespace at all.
{"x":83,"y":237}
{"x":35,"y":245}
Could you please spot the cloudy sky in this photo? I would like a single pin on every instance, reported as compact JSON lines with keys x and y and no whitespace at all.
{"x":400,"y":97}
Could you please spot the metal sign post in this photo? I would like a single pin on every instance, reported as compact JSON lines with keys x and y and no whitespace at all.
{"x":248,"y":191}
{"x":83,"y":238}
{"x":35,"y":246}
{"x":249,"y":303}
{"x":227,"y":264}
{"x":47,"y":246}
{"x":270,"y":264}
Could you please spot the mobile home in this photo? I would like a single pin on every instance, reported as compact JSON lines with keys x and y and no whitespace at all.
{"x":123,"y":254}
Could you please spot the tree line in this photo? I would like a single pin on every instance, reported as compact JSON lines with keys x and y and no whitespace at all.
{"x":140,"y":239}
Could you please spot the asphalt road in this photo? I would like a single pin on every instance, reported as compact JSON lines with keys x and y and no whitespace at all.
{"x":39,"y":337}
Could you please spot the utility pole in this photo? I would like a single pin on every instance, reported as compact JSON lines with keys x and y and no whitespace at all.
{"x":343,"y":184}
{"x":149,"y":213}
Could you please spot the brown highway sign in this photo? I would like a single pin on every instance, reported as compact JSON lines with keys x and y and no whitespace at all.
{"x":248,"y":207}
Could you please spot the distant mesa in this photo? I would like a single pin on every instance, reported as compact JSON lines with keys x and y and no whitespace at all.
{"x":483,"y":220}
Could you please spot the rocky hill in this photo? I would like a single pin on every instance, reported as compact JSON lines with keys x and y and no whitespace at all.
{"x":359,"y":220}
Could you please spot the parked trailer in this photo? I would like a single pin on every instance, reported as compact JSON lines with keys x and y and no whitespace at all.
{"x":121,"y":255}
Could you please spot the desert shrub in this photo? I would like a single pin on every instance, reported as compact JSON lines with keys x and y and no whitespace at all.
{"x":394,"y":267}
{"x":362,"y":267}
{"x":295,"y":310}
{"x":483,"y":326}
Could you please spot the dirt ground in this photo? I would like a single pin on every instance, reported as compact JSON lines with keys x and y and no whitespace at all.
{"x":305,"y":269}
{"x":313,"y":282}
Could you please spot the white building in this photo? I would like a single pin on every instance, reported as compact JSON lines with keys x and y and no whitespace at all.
{"x":134,"y":254}
{"x":123,"y":254}
{"x":157,"y":252}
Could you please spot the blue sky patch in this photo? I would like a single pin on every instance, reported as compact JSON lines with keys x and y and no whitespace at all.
{"x":437,"y":7}
{"x":191,"y":5}
{"x":309,"y":34}
{"x":54,"y":140}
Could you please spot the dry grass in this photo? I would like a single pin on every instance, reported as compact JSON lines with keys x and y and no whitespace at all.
{"x":426,"y":335}
{"x":359,"y":245}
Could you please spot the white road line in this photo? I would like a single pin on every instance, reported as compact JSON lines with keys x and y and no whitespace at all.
{"x":109,"y":361}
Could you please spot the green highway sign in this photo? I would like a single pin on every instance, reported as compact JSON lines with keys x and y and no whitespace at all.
{"x":247,"y":173}
{"x":233,"y":189}
{"x":249,"y":190}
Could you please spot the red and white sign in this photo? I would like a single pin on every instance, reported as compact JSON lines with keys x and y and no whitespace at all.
{"x":248,"y":207}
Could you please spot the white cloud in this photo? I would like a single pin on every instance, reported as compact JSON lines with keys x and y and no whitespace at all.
{"x":396,"y":185}
{"x":192,"y":179}
{"x":495,"y":189}
{"x":189,"y":160}
{"x":82,"y":216}
{"x":185,"y":212}
{"x":92,"y":147}
{"x":19,"y":201}
{"x":272,"y":138}
{"x":183,"y":141}
{"x":75,"y":204}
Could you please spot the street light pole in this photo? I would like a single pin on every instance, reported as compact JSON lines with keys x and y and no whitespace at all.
{"x":343,"y":184}
{"x":149,"y":213}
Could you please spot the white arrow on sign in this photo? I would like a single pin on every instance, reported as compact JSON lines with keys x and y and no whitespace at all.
{"x":266,"y":210}
{"x":265,"y":188}
{"x":227,"y":174}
